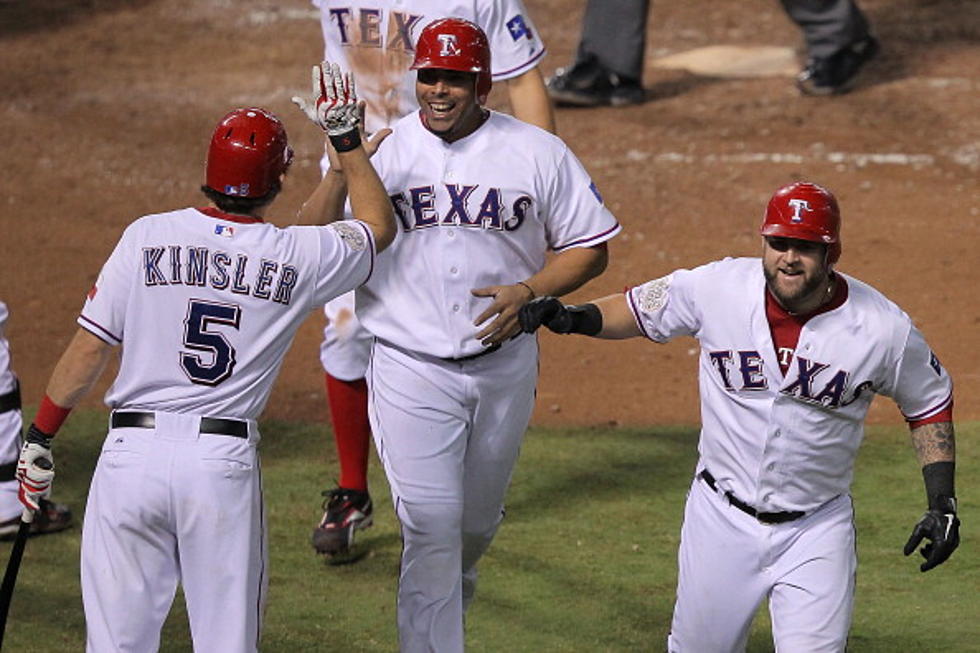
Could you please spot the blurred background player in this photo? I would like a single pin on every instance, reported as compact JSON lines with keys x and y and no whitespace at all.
{"x":608,"y":66}
{"x":50,"y":517}
{"x":376,"y":40}
{"x":204,"y":303}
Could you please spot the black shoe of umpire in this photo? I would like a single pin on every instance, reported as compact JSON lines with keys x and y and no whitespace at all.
{"x":587,"y":83}
{"x":836,"y":74}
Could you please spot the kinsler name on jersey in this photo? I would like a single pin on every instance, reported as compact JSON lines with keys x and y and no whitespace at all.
{"x":199,"y":266}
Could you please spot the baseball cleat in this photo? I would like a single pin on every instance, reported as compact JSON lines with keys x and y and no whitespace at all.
{"x":587,"y":83}
{"x":836,"y":74}
{"x":345,"y":511}
{"x":51,"y":518}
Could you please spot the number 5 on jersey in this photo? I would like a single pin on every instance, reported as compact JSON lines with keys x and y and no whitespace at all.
{"x":202,"y":316}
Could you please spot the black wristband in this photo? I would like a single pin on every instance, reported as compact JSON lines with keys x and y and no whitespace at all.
{"x":939,"y":484}
{"x":349,"y":140}
{"x":586,"y":319}
{"x":37,"y":436}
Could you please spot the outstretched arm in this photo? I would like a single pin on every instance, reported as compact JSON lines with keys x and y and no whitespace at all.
{"x":334,"y":108}
{"x":609,"y":317}
{"x":564,"y":273}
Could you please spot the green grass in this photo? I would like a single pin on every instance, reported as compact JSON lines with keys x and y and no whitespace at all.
{"x":585,"y":560}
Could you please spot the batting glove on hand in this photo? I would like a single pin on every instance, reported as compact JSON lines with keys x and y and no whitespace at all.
{"x":547,"y":311}
{"x":942,"y":528}
{"x":333,"y":106}
{"x":35,"y":469}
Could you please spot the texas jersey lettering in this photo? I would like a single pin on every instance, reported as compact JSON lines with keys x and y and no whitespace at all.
{"x":812,"y":416}
{"x":471,"y":214}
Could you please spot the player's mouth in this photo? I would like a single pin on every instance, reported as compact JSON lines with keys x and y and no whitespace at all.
{"x":441,"y":110}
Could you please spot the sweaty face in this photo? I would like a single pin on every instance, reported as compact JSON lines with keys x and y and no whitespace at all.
{"x":448,"y":102}
{"x":796,"y":272}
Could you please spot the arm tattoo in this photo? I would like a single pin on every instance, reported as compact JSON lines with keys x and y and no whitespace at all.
{"x":934,"y":442}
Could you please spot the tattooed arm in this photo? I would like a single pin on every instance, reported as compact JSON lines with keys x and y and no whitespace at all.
{"x":934,"y":443}
{"x":935,"y":447}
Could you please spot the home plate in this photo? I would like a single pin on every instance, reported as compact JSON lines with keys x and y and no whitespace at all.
{"x":734,"y":61}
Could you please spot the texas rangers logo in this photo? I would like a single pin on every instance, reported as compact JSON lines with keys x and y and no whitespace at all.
{"x":798,"y":207}
{"x":449,"y":46}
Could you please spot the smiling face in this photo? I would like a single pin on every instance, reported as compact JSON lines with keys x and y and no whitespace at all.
{"x":797,"y":273}
{"x":448,"y":102}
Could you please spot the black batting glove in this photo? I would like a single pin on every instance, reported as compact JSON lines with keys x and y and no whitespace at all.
{"x":941,"y":527}
{"x":548,"y":311}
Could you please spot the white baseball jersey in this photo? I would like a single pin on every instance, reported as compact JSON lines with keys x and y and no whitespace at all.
{"x":7,"y":379}
{"x":10,"y":427}
{"x":376,"y":40}
{"x":473,"y":213}
{"x":206,"y":304}
{"x":789,"y":443}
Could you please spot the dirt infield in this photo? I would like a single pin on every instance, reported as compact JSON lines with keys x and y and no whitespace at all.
{"x":107,"y":106}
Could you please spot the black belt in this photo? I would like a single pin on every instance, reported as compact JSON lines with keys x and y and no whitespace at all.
{"x":122,"y":419}
{"x":488,"y":350}
{"x":764,"y":517}
{"x":11,"y":400}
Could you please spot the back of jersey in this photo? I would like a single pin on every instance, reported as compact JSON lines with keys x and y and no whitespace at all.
{"x":206,"y":305}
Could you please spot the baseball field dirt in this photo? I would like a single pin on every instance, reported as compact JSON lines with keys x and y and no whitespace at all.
{"x":107,"y":107}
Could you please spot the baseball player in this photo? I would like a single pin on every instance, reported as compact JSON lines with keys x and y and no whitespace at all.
{"x":451,"y":380}
{"x":792,"y":353}
{"x":205,"y":303}
{"x":376,"y":40}
{"x":51,"y":517}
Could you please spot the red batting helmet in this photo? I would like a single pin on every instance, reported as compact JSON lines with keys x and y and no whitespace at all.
{"x":456,"y":44}
{"x":248,"y":153}
{"x":805,"y":211}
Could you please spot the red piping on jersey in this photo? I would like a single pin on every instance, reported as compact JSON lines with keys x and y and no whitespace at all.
{"x":212,"y":212}
{"x":587,"y":239}
{"x":944,"y":415}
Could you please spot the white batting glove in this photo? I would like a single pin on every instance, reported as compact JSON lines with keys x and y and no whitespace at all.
{"x":35,"y":469}
{"x":333,"y":102}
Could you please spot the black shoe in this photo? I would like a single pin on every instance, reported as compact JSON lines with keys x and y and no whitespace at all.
{"x":51,"y":518}
{"x":345,"y":511}
{"x":836,"y":74}
{"x":586,"y":83}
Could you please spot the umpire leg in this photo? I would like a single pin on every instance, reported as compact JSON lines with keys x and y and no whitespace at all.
{"x":614,"y":32}
{"x":828,"y":25}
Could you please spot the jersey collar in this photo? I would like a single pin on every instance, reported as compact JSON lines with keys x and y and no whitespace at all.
{"x":212,"y":212}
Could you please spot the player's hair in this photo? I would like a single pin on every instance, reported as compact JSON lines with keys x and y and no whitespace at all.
{"x":240,"y":205}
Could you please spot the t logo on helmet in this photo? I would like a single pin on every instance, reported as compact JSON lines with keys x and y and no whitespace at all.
{"x":449,"y":47}
{"x":798,"y":207}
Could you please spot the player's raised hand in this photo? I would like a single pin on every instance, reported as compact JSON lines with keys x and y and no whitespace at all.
{"x":942,"y":529}
{"x":507,"y":301}
{"x":333,"y":104}
{"x":35,"y":469}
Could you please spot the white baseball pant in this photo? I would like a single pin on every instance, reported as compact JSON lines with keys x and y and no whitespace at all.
{"x":171,"y":505}
{"x":729,"y":562}
{"x":448,"y":434}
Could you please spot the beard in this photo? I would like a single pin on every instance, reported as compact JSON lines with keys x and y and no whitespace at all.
{"x":791,"y":298}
